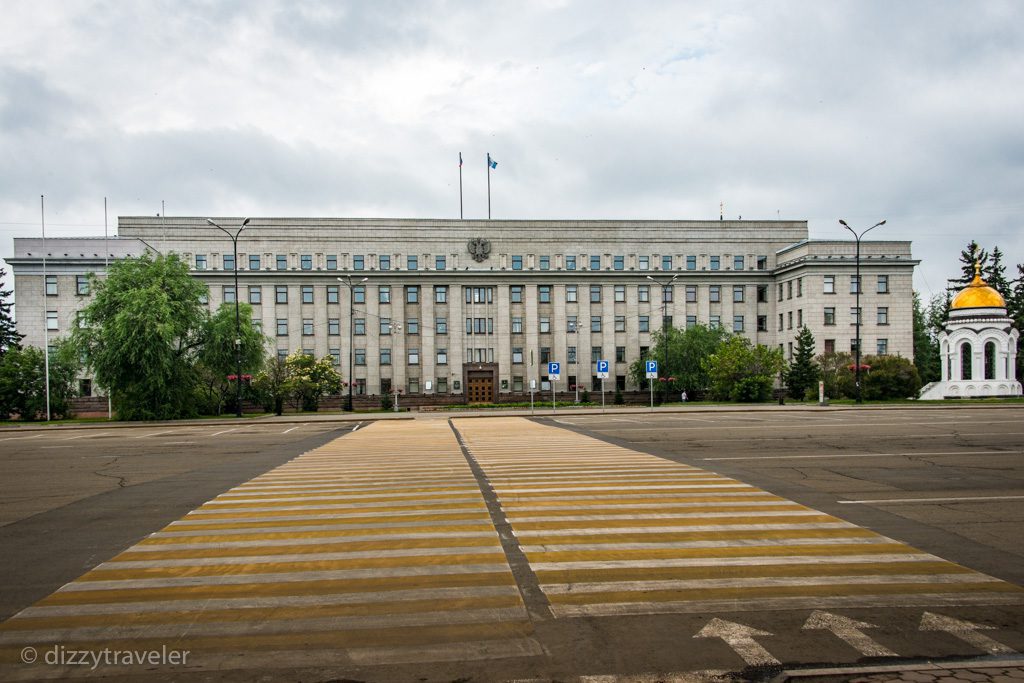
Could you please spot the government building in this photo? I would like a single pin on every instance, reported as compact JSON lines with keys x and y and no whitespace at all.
{"x":476,"y":309}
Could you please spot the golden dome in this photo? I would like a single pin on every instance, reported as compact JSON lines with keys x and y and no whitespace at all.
{"x":978,"y":294}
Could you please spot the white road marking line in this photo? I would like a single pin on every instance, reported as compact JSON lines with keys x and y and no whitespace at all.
{"x":741,"y":639}
{"x":179,"y":443}
{"x":850,"y":631}
{"x":143,"y":436}
{"x":15,"y":438}
{"x":953,"y":499}
{"x":965,"y":631}
{"x":85,"y":436}
{"x":292,"y":429}
{"x":49,"y":447}
{"x":233,"y":429}
{"x":863,"y":455}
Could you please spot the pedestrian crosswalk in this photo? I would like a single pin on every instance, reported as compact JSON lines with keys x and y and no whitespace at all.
{"x":374,"y":549}
{"x":612,"y":531}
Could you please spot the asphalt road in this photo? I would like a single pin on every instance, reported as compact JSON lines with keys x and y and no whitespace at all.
{"x":625,"y":547}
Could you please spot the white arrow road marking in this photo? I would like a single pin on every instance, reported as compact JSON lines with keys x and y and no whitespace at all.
{"x":965,"y":631}
{"x":848,"y":630}
{"x":741,"y":639}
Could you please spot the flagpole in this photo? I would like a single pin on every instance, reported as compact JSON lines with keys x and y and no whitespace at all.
{"x":106,"y":275}
{"x":460,"y":185}
{"x":488,"y":186}
{"x":46,"y":326}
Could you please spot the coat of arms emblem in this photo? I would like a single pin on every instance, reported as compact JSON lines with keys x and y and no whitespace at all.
{"x":479,"y":249}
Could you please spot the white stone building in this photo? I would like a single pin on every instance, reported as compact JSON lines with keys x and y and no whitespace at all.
{"x":478,"y":307}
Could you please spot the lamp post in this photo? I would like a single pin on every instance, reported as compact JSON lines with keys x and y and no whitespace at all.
{"x":347,"y":281}
{"x":664,"y":316}
{"x":238,"y":324}
{"x":571,"y":329}
{"x":860,"y":286}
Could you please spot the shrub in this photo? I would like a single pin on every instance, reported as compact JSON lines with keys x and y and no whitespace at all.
{"x":890,"y":377}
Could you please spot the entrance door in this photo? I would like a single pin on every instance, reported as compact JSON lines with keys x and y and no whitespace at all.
{"x":480,"y":388}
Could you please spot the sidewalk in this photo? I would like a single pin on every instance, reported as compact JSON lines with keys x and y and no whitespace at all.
{"x":979,"y":671}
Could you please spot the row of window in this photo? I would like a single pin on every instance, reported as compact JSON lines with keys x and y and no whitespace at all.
{"x":829,"y":286}
{"x":829,"y":317}
{"x":81,"y":285}
{"x":412,"y":262}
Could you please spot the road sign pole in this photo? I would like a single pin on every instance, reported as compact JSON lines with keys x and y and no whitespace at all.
{"x":651,"y":384}
{"x":552,"y":397}
{"x":602,"y":394}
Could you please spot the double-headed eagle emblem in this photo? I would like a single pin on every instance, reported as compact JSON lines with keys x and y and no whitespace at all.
{"x":479,"y":249}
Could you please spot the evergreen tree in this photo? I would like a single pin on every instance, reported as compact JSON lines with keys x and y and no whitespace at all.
{"x":926,"y":345}
{"x":968,"y":257}
{"x":803,"y":374}
{"x":1015,"y":309}
{"x":995,"y":273}
{"x":9,"y":337}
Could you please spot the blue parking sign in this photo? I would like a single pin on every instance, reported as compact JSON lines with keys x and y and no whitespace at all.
{"x":554,"y":371}
{"x":602,"y":369}
{"x":652,"y":369}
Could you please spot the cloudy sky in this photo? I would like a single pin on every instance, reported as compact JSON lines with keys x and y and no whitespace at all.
{"x":816,"y":110}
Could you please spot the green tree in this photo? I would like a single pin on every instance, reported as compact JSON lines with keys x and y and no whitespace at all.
{"x":9,"y":337}
{"x":271,"y":385}
{"x":141,"y":336}
{"x":837,"y":373}
{"x":968,"y":257}
{"x":685,"y":351}
{"x":1015,"y":309}
{"x":926,"y":344}
{"x":890,"y":377}
{"x":23,"y":381}
{"x":310,"y":379}
{"x":803,"y":373}
{"x":741,"y":371}
{"x":994,"y":273}
{"x":217,"y":366}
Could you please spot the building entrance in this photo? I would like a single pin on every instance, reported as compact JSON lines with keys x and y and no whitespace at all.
{"x":481,"y":382}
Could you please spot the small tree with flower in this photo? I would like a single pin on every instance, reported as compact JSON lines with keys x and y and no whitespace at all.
{"x":310,"y":379}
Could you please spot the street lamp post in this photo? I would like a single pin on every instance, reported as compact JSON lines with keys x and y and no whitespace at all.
{"x":238,"y":324}
{"x":664,"y":318}
{"x":860,"y":286}
{"x":347,"y":281}
{"x":571,"y":329}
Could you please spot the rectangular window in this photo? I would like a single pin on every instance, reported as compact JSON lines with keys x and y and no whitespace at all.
{"x":200,"y":261}
{"x":255,"y":295}
{"x":691,"y":262}
{"x":854,"y":284}
{"x":800,"y":287}
{"x":412,"y":262}
{"x":204,"y":297}
{"x":780,"y":291}
{"x":854,"y":315}
{"x":282,"y":262}
{"x":414,"y":356}
{"x":441,"y":325}
{"x":332,"y":294}
{"x":358,"y":262}
{"x":789,"y":289}
{"x":282,"y":354}
{"x":281,"y":294}
{"x":666,"y":263}
{"x":595,"y":323}
{"x":306,"y":262}
{"x":442,"y":357}
{"x":595,"y":294}
{"x":517,"y":263}
{"x":691,"y":322}
{"x":51,"y":320}
{"x":412,"y":294}
{"x":883,"y":285}
{"x":780,"y":321}
{"x":828,"y":285}
{"x":715,"y":322}
{"x":667,"y":294}
{"x":359,"y":356}
{"x":715,"y":293}
{"x":620,"y":323}
{"x":570,"y":263}
{"x":762,"y":323}
{"x":716,"y":263}
{"x":644,"y":262}
{"x":332,"y":262}
{"x":384,"y":294}
{"x":645,"y":323}
{"x":307,"y":327}
{"x":830,"y":346}
{"x":882,"y":347}
{"x":442,"y":385}
{"x":545,"y":325}
{"x":738,"y":294}
{"x":620,"y":294}
{"x":307,"y":294}
{"x":282,"y":327}
{"x":544,"y":294}
{"x":762,"y":263}
{"x":643,"y":293}
{"x":384,"y":262}
{"x":619,"y":263}
{"x":335,"y":355}
{"x":517,"y":355}
{"x":257,"y":325}
{"x":737,"y":263}
{"x":595,"y":262}
{"x":359,"y":294}
{"x":571,"y":294}
{"x":333,"y":326}
{"x":385,"y":326}
{"x":440,"y":294}
{"x":570,"y":324}
{"x":51,"y":285}
{"x":737,"y":323}
{"x":229,"y":294}
{"x":254,"y":261}
{"x":691,"y":294}
{"x":229,"y":261}
{"x":789,"y":320}
{"x":762,"y":294}
{"x":82,"y":285}
{"x":359,"y":326}
{"x":385,"y":356}
{"x":440,"y":262}
{"x":620,"y":354}
{"x":799,"y":317}
{"x":667,"y":322}
{"x":517,"y":325}
{"x":515,"y":294}
{"x":883,"y":315}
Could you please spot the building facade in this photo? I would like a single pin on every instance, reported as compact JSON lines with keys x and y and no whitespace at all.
{"x":477,"y":308}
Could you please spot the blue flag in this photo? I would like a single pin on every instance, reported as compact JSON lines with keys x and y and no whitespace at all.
{"x":491,"y":162}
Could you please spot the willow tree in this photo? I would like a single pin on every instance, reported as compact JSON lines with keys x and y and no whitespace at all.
{"x":141,"y":334}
